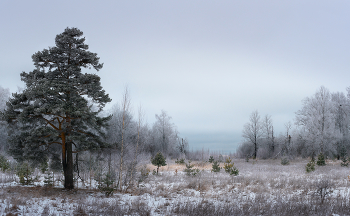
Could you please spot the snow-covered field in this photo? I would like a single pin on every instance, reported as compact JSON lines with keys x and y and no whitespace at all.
{"x":263,"y":187}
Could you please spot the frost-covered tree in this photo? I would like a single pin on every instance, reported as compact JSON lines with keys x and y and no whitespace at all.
{"x":317,"y":119}
{"x":253,"y":131}
{"x":341,"y":110}
{"x":164,"y":132}
{"x":52,"y":116}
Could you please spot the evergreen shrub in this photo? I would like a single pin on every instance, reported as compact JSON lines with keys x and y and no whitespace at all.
{"x":284,"y":160}
{"x":181,"y":161}
{"x":24,"y":172}
{"x":230,"y":168}
{"x":310,"y":167}
{"x":321,"y":160}
{"x":216,"y":167}
{"x":159,"y":160}
{"x":189,"y":170}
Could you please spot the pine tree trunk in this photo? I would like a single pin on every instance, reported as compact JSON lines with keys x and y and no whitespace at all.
{"x":68,"y":167}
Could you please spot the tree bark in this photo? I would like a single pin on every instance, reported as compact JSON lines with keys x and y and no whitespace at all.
{"x":68,"y":167}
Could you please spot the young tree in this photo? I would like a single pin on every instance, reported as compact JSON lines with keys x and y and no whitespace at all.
{"x":159,"y":160}
{"x":52,"y":113}
{"x":253,"y":131}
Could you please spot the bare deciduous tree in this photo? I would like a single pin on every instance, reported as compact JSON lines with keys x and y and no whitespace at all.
{"x":165,"y":132}
{"x":268,"y":131}
{"x":141,"y":115}
{"x":125,"y":109}
{"x":253,"y":130}
{"x":318,"y":121}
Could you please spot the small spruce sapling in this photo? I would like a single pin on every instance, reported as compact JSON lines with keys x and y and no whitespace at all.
{"x":211,"y":159}
{"x":24,"y":172}
{"x":189,"y":169}
{"x":216,"y":167}
{"x":321,"y":160}
{"x":48,"y":182}
{"x":159,"y":160}
{"x":230,"y":168}
{"x":345,"y":162}
{"x":44,"y":166}
{"x":310,"y":167}
{"x":106,"y":185}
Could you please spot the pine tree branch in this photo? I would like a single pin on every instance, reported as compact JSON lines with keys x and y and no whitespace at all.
{"x":50,"y":123}
{"x":50,"y":143}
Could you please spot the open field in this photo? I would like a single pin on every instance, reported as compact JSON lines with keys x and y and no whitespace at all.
{"x":263,"y":187}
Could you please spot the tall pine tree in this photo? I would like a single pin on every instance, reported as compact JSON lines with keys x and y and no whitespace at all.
{"x":52,"y":115}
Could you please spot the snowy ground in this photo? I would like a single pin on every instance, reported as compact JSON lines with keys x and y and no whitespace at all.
{"x":263,"y":187}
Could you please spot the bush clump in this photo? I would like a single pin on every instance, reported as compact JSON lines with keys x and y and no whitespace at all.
{"x":285,"y":160}
{"x":181,"y":161}
{"x":144,"y":173}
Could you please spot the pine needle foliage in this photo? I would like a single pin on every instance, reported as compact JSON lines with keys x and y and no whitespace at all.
{"x":159,"y":160}
{"x":52,"y":116}
{"x":211,"y":159}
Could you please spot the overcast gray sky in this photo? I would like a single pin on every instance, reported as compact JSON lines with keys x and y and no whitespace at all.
{"x":209,"y":64}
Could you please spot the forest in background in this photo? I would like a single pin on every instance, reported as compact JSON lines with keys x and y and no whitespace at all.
{"x":320,"y":126}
